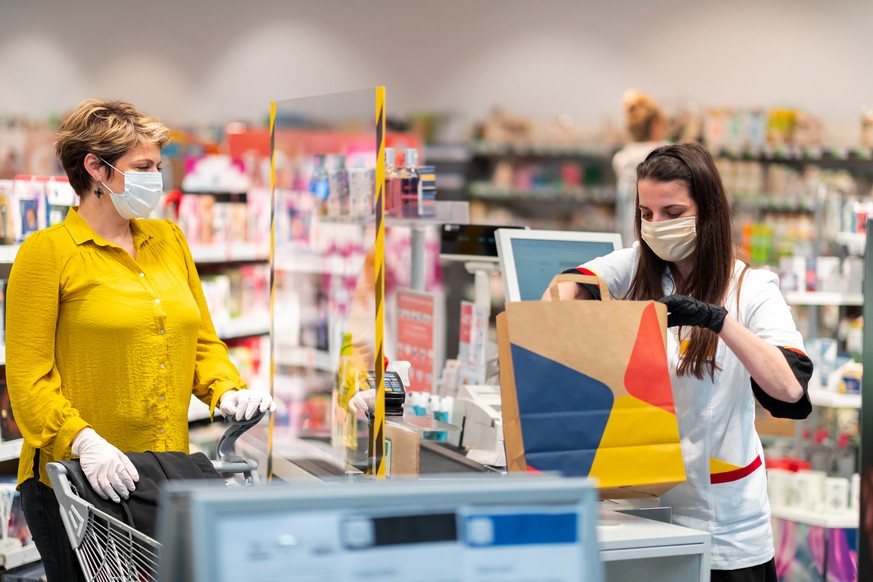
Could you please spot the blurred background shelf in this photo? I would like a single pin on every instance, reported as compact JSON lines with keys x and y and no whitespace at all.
{"x":10,"y":450}
{"x":830,"y":520}
{"x":820,"y":397}
{"x":823,"y":298}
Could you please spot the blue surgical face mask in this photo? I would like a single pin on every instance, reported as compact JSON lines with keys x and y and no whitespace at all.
{"x":142,"y":193}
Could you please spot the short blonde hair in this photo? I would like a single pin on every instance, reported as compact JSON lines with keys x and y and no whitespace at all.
{"x":105,"y":128}
{"x":642,"y":114}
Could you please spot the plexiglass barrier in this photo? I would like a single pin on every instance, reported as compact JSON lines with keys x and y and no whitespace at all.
{"x":326,"y":261}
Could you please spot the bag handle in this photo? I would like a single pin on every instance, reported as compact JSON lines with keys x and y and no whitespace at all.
{"x":580,"y":278}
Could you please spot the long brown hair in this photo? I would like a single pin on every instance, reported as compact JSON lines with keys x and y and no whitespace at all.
{"x":714,"y":255}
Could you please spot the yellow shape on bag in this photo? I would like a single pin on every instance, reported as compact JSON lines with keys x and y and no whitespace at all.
{"x":640,"y":445}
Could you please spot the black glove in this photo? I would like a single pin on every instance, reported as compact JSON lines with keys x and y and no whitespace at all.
{"x":684,"y":310}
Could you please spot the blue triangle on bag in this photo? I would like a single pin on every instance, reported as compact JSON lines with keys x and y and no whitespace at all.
{"x":562,"y":411}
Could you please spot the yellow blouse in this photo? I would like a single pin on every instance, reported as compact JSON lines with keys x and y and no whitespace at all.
{"x":96,"y":338}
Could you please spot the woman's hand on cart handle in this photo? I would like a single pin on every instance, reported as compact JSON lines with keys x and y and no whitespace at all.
{"x":109,"y":471}
{"x":243,"y":404}
{"x":684,"y":310}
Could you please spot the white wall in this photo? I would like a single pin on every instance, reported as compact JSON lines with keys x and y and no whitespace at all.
{"x":199,"y":61}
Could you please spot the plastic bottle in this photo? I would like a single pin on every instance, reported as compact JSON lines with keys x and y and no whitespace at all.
{"x":319,"y":183}
{"x":409,"y":178}
{"x":360,"y":190}
{"x":338,"y":200}
{"x":391,"y":183}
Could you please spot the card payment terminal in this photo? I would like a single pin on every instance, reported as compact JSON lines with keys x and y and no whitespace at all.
{"x":395,"y":394}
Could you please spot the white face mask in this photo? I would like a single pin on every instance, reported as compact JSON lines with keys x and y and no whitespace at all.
{"x":142,"y":193}
{"x":672,"y":240}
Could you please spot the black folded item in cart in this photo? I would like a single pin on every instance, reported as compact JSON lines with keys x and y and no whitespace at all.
{"x":140,"y":510}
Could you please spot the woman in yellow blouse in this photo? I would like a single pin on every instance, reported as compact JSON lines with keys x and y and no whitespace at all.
{"x":108,"y":332}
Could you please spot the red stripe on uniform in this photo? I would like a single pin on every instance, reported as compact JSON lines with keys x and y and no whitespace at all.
{"x":585,"y":271}
{"x":736,"y":474}
{"x":795,"y":350}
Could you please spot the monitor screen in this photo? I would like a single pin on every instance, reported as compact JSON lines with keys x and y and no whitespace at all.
{"x":529,"y":259}
{"x":469,"y":242}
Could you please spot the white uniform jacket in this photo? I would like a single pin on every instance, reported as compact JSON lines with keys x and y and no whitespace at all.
{"x":726,"y":491}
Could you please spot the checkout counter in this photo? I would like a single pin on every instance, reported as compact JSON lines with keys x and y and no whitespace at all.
{"x":636,"y":540}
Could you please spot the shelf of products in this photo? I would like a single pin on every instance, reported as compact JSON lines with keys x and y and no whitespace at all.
{"x":820,"y":397}
{"x":855,"y":242}
{"x":248,"y":327}
{"x":490,"y":148}
{"x":10,"y":450}
{"x":229,"y":253}
{"x":7,"y":253}
{"x":827,"y":519}
{"x":304,"y":357}
{"x":592,"y":194}
{"x":556,"y":186}
{"x":824,"y":298}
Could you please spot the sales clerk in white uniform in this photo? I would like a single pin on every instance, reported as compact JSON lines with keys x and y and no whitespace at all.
{"x":719,"y":307}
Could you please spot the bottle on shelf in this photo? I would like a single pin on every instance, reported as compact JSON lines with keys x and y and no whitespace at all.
{"x":392,"y":185}
{"x":319,"y":180}
{"x":409,"y":178}
{"x":361,"y":189}
{"x":338,"y":182}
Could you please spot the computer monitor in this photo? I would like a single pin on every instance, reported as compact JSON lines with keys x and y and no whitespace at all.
{"x":470,"y":242}
{"x":529,"y":259}
{"x":518,"y":527}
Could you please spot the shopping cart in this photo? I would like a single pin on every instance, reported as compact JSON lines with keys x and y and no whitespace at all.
{"x":110,"y":550}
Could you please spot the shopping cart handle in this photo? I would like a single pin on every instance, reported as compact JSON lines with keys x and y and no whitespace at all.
{"x":235,"y":430}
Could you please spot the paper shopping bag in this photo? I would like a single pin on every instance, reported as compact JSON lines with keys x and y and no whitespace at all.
{"x":586,"y":391}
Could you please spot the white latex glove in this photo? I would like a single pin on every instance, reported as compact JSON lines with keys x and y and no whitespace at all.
{"x":365,"y":401}
{"x":242,"y":404}
{"x":109,"y":471}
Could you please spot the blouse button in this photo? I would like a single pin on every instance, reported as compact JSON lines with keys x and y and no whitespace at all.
{"x":162,"y":332}
{"x":162,"y":366}
{"x":157,"y":300}
{"x":142,"y":274}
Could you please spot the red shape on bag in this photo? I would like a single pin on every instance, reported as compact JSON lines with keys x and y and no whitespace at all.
{"x":647,"y":376}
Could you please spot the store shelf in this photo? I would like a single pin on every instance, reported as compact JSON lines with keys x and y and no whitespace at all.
{"x":488,"y":191}
{"x":229,"y":252}
{"x":831,"y":520}
{"x":304,"y":357}
{"x":798,"y":154}
{"x":197,"y":410}
{"x":446,"y":153}
{"x":450,"y":181}
{"x":820,"y":397}
{"x":236,"y":328}
{"x":484,"y":148}
{"x":823,"y":298}
{"x":309,"y":262}
{"x":7,"y":253}
{"x":855,"y":242}
{"x":10,"y":450}
{"x":769,"y":203}
{"x":216,"y":253}
{"x":26,"y":554}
